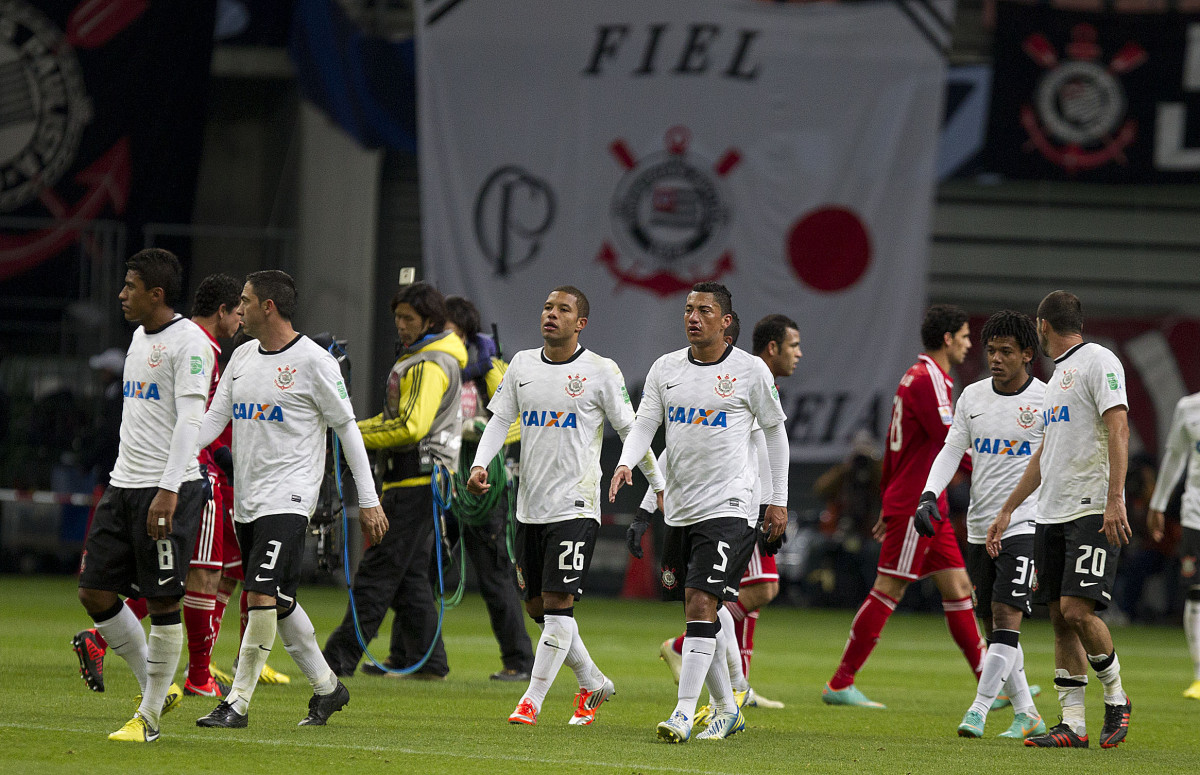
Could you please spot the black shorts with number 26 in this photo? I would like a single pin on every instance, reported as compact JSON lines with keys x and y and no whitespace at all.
{"x":555,"y":557}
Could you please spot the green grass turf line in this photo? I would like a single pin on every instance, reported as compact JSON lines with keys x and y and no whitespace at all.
{"x":50,"y":723}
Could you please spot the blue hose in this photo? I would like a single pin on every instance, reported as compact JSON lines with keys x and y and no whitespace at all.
{"x":441,"y":483}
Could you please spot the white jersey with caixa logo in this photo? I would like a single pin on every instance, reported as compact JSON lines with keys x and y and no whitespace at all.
{"x":561,"y":407}
{"x":173,"y":361}
{"x":709,"y":410}
{"x":1088,"y":380}
{"x":281,"y":403}
{"x":1002,"y":431}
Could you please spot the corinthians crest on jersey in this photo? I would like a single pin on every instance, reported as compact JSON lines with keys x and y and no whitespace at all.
{"x":285,"y":378}
{"x":670,"y":216}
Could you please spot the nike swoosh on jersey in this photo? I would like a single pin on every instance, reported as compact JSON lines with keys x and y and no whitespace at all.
{"x":260,"y":578}
{"x":570,"y":581}
{"x":1088,"y":583}
{"x":234,"y":378}
{"x":677,"y":384}
{"x":980,"y":414}
{"x":523,"y":384}
{"x":715,"y":581}
{"x":164,"y":581}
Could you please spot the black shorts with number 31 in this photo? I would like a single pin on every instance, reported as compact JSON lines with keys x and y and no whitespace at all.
{"x":1075,"y":559}
{"x":1006,"y":579}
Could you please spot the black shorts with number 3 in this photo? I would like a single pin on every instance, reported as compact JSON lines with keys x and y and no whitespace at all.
{"x":709,"y":555}
{"x":1006,"y":579}
{"x":273,"y":554}
{"x":555,"y":557}
{"x":1075,"y":559}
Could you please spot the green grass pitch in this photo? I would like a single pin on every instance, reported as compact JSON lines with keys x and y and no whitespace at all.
{"x":50,"y":723}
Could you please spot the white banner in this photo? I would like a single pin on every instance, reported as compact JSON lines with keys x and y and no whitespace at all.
{"x":635,"y":147}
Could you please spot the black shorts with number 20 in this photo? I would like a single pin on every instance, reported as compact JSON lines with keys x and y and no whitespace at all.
{"x":1075,"y":559}
{"x":709,"y":555}
{"x":1006,"y":579}
{"x":555,"y":557}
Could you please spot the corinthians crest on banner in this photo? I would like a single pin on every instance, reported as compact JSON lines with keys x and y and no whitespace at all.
{"x":102,"y":106}
{"x":1089,"y":96}
{"x":648,"y":145}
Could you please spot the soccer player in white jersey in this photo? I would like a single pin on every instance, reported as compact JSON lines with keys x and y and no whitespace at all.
{"x":1081,"y":520}
{"x":1183,"y":452}
{"x":145,"y":524}
{"x":282,"y":392}
{"x":561,"y":393}
{"x":999,"y":420}
{"x":709,"y":394}
{"x":777,"y":342}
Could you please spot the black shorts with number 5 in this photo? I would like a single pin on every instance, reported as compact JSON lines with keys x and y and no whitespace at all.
{"x":555,"y":557}
{"x":709,"y":555}
{"x":1075,"y":559}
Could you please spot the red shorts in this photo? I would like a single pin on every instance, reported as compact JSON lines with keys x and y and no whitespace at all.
{"x":209,"y":537}
{"x":231,"y":554}
{"x":760,"y":570}
{"x":906,"y":555}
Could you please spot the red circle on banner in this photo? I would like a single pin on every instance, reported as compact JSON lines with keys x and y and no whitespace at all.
{"x":829,"y":249}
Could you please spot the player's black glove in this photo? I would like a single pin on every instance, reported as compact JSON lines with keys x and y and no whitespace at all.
{"x":223,"y":457}
{"x":767,"y":547}
{"x":633,"y":536}
{"x":927,"y":514}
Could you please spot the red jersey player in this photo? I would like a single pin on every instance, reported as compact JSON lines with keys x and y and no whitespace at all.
{"x":921,"y":416}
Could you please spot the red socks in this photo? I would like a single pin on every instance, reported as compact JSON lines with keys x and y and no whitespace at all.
{"x":864,"y":634}
{"x":960,"y":618}
{"x":743,"y":631}
{"x":138,"y":606}
{"x":198,"y":610}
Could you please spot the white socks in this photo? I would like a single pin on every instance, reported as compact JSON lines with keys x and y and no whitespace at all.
{"x":580,"y":661}
{"x":256,"y":647}
{"x":1108,"y":670}
{"x":162,"y":657}
{"x":1070,"y":696}
{"x":552,"y":648}
{"x":127,"y":639}
{"x":1017,"y":686}
{"x":300,"y":639}
{"x":997,"y":663}
{"x":727,"y":637}
{"x":1191,"y":629}
{"x":699,"y":648}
